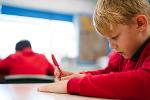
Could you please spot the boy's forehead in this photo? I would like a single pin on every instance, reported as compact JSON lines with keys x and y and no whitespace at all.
{"x":107,"y":30}
{"x":112,"y":31}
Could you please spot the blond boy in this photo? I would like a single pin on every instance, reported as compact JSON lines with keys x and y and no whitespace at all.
{"x":125,"y":24}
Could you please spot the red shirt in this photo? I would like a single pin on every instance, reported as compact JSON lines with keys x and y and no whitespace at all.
{"x":26,"y":62}
{"x":122,"y":79}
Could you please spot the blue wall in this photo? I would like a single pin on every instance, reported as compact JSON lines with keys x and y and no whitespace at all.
{"x":35,"y":13}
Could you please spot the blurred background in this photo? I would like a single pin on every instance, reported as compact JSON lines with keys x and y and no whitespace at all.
{"x":62,"y":27}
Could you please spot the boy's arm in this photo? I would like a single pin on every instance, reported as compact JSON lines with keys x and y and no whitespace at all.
{"x":125,"y":85}
{"x":115,"y":63}
{"x":120,"y":85}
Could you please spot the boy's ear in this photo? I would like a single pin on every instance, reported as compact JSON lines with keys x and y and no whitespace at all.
{"x":141,"y":22}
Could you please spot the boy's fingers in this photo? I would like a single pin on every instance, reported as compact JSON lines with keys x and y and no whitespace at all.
{"x":71,"y":76}
{"x":65,"y":78}
{"x":56,"y":72}
{"x":44,"y":88}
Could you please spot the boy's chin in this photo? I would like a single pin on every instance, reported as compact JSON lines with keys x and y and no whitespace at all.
{"x":126,"y":56}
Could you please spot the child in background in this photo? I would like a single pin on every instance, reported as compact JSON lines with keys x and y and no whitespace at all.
{"x":25,"y":62}
{"x":126,"y":25}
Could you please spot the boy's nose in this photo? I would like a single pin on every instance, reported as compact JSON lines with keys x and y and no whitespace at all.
{"x":112,"y":45}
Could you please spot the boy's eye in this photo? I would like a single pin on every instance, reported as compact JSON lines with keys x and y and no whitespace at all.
{"x":115,"y":37}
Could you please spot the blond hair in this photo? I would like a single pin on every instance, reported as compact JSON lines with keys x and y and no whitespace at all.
{"x":109,"y":13}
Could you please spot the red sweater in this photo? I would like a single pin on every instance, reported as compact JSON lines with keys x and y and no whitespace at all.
{"x":26,"y":62}
{"x":122,"y":79}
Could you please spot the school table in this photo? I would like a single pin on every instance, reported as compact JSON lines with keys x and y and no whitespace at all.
{"x":29,"y":92}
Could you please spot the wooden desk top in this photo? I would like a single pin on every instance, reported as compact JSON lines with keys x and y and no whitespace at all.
{"x":29,"y":92}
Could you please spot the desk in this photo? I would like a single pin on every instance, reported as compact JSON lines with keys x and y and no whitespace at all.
{"x":29,"y":92}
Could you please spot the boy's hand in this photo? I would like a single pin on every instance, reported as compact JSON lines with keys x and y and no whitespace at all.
{"x":72,"y":76}
{"x":64,"y":73}
{"x":58,"y":87}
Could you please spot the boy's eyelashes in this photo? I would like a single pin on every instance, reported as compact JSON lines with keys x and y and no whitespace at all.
{"x":114,"y":37}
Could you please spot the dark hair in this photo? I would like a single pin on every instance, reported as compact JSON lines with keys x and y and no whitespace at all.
{"x":22,"y":44}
